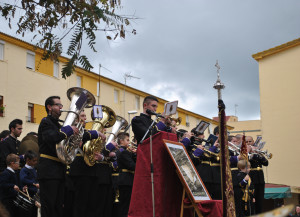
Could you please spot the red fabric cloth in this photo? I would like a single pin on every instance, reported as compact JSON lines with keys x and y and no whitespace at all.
{"x":211,"y":208}
{"x":167,"y":186}
{"x":208,"y":208}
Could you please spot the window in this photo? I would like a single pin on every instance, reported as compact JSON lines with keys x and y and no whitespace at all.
{"x":30,"y":62}
{"x":116,"y":96}
{"x":98,"y":88}
{"x":2,"y":107}
{"x":2,"y":50}
{"x":30,"y":117}
{"x":55,"y":69}
{"x":78,"y":81}
{"x":137,"y":102}
{"x":187,"y":121}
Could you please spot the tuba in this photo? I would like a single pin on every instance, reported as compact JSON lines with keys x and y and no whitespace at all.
{"x":96,"y":145}
{"x":80,"y":99}
{"x":120,"y":124}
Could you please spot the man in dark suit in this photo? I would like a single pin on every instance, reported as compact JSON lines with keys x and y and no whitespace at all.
{"x":140,"y":124}
{"x":11,"y":144}
{"x":51,"y":171}
{"x":126,"y":163}
{"x":257,"y":175}
{"x":82,"y":197}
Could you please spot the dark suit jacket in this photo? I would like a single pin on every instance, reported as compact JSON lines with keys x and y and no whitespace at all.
{"x":126,"y":165}
{"x":78,"y":167}
{"x":8,"y":180}
{"x":257,"y":176}
{"x":8,"y":146}
{"x":140,"y":125}
{"x":29,"y":177}
{"x":49,"y":135}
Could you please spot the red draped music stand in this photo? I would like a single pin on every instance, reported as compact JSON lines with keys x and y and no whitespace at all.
{"x":167,"y":187}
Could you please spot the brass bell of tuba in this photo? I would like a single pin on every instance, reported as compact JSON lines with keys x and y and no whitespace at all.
{"x":80,"y":98}
{"x":120,"y":124}
{"x":96,"y":145}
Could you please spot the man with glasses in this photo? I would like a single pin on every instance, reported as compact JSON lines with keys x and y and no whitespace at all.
{"x":51,"y":171}
{"x":257,"y":174}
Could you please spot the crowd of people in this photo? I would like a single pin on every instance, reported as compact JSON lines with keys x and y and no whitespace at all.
{"x":38,"y":177}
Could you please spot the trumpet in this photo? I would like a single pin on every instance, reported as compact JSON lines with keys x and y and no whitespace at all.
{"x":265,"y":153}
{"x":234,"y":148}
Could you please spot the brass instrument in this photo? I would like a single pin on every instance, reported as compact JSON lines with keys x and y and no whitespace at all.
{"x":234,"y":148}
{"x":29,"y":142}
{"x":132,"y":147}
{"x":80,"y":98}
{"x":120,"y":124}
{"x":96,"y":145}
{"x":264,"y":153}
{"x":177,"y":120}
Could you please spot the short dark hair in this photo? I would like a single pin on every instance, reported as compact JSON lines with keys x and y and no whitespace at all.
{"x":148,"y":99}
{"x":12,"y":158}
{"x":216,"y":130}
{"x":230,"y":138}
{"x":30,"y":155}
{"x":49,"y":101}
{"x":4,"y":134}
{"x":32,"y":133}
{"x":14,"y":123}
{"x":122,"y":136}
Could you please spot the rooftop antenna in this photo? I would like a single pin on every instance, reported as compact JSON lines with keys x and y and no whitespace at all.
{"x":127,"y":75}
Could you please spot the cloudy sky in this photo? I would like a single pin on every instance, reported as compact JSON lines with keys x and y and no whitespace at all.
{"x":178,"y":42}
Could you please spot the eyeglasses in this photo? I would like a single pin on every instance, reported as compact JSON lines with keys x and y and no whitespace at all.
{"x":59,"y":105}
{"x":17,"y":163}
{"x":248,"y":141}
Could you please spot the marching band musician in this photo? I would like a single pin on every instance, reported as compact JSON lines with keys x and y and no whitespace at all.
{"x":257,"y":174}
{"x":83,"y":179}
{"x":104,"y":176}
{"x":9,"y":184}
{"x":28,"y":177}
{"x":126,"y":162}
{"x":140,"y":124}
{"x":245,"y":190}
{"x":201,"y":161}
{"x":51,"y":171}
{"x":216,"y":170}
{"x":11,"y":144}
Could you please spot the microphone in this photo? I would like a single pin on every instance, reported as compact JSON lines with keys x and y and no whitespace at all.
{"x":148,"y":111}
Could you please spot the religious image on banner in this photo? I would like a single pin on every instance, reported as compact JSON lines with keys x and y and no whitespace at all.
{"x":97,"y":111}
{"x":171,"y":108}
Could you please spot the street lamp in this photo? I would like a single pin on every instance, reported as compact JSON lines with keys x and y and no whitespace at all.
{"x":130,"y":113}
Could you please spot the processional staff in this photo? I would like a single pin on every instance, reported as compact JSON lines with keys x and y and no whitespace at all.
{"x":226,"y":179}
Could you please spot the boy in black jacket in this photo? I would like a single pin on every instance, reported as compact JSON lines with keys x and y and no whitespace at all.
{"x":246,"y":189}
{"x":9,"y":184}
{"x":28,"y":177}
{"x":126,"y":163}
